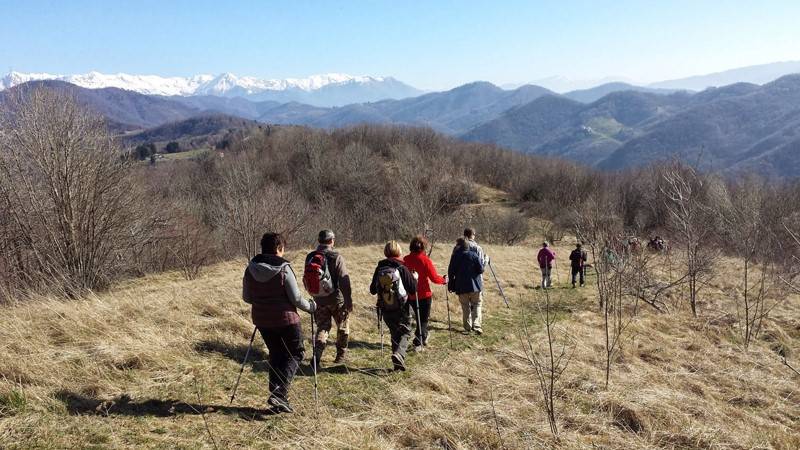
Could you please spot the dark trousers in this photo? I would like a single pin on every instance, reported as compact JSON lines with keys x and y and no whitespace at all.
{"x":578,"y":271}
{"x":421,"y":326}
{"x":285,"y":345}
{"x":399,"y":324}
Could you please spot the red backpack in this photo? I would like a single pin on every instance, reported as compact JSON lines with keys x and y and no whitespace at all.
{"x":317,"y":277}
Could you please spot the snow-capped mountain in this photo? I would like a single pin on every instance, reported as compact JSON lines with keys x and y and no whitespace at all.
{"x":331,"y":89}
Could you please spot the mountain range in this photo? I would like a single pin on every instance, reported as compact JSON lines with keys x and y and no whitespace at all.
{"x":320,"y":90}
{"x":612,"y":126}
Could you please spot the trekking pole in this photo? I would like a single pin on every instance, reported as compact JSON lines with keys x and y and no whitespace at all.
{"x":380,"y":327}
{"x":555,"y":267}
{"x":500,"y":288}
{"x":246,"y":355}
{"x":314,"y":360}
{"x":449,"y":327}
{"x":419,"y":322}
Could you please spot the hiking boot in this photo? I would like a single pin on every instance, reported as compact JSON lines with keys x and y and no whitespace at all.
{"x":340,"y":358}
{"x":280,"y":405}
{"x":418,"y":348}
{"x":573,"y":285}
{"x":478,"y":331}
{"x":398,"y":361}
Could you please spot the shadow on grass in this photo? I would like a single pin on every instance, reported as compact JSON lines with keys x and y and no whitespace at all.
{"x":363,"y":344}
{"x":78,"y":404}
{"x":342,"y":369}
{"x":234,"y":352}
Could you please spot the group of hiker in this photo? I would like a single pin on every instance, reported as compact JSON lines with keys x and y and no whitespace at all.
{"x":402,"y":286}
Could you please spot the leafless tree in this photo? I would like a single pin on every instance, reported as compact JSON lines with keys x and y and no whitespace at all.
{"x":549,"y":357}
{"x":691,"y":222}
{"x":597,"y":226}
{"x":69,"y":194}
{"x":246,"y":205}
{"x":748,"y":235}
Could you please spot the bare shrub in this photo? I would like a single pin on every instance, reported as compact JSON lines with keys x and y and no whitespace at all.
{"x":748,"y":235}
{"x":548,"y":357}
{"x":598,"y":227}
{"x":692,"y":223}
{"x":500,"y":226}
{"x":246,"y":205}
{"x":67,"y":190}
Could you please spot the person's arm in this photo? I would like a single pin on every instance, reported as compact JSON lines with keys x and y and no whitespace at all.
{"x":373,"y":286}
{"x":451,"y":273}
{"x":408,"y":280}
{"x":479,"y":265}
{"x":246,"y":289}
{"x":344,"y":283}
{"x":293,"y":292}
{"x":432,"y":274}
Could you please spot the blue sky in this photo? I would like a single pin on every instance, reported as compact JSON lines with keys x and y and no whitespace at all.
{"x":429,"y":44}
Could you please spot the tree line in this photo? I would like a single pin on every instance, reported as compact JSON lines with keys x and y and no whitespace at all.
{"x":77,"y":212}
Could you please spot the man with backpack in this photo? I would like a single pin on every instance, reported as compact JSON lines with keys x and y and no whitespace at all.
{"x":392,"y":283}
{"x":577,"y":260}
{"x":270,"y":286}
{"x":545,"y":258}
{"x":464,"y":278}
{"x":327,"y":280}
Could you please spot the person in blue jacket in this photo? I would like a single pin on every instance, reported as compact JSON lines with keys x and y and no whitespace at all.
{"x":464,"y":278}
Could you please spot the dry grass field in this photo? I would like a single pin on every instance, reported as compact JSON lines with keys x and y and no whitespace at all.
{"x":150,"y":364}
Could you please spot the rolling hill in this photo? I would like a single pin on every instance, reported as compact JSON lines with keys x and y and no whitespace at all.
{"x":124,"y":110}
{"x":453,"y":111}
{"x":736,"y":127}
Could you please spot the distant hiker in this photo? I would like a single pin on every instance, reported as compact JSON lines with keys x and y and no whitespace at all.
{"x":393,"y":283}
{"x":270,"y":286}
{"x":545,"y":258}
{"x":418,"y":262}
{"x":656,"y":244}
{"x":577,"y":261}
{"x":327,"y":280}
{"x":464,"y":278}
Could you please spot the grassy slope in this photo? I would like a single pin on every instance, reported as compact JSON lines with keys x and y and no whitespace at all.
{"x":134,"y":367}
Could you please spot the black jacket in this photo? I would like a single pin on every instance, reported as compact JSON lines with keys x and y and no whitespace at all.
{"x":578,"y":258}
{"x":405,"y":276}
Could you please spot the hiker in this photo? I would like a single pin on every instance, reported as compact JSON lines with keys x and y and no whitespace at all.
{"x":546,"y":257}
{"x":577,"y":261}
{"x":464,"y":278}
{"x":469,"y":237}
{"x":656,"y":244}
{"x":327,"y":280}
{"x":270,"y":286}
{"x":420,"y":264}
{"x":392,"y":283}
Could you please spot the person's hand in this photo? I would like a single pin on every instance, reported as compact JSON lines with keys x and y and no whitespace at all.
{"x":445,"y":280}
{"x":313,"y":306}
{"x":415,"y":274}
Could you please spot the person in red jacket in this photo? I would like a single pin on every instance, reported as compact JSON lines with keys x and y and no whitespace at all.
{"x":422,"y":266}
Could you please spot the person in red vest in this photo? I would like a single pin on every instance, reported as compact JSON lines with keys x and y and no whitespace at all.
{"x":420,"y":264}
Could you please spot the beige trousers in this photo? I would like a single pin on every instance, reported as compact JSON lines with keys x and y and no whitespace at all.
{"x":471,"y":310}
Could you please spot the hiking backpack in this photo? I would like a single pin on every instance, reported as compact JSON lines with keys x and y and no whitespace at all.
{"x":317,"y":277}
{"x":391,"y":292}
